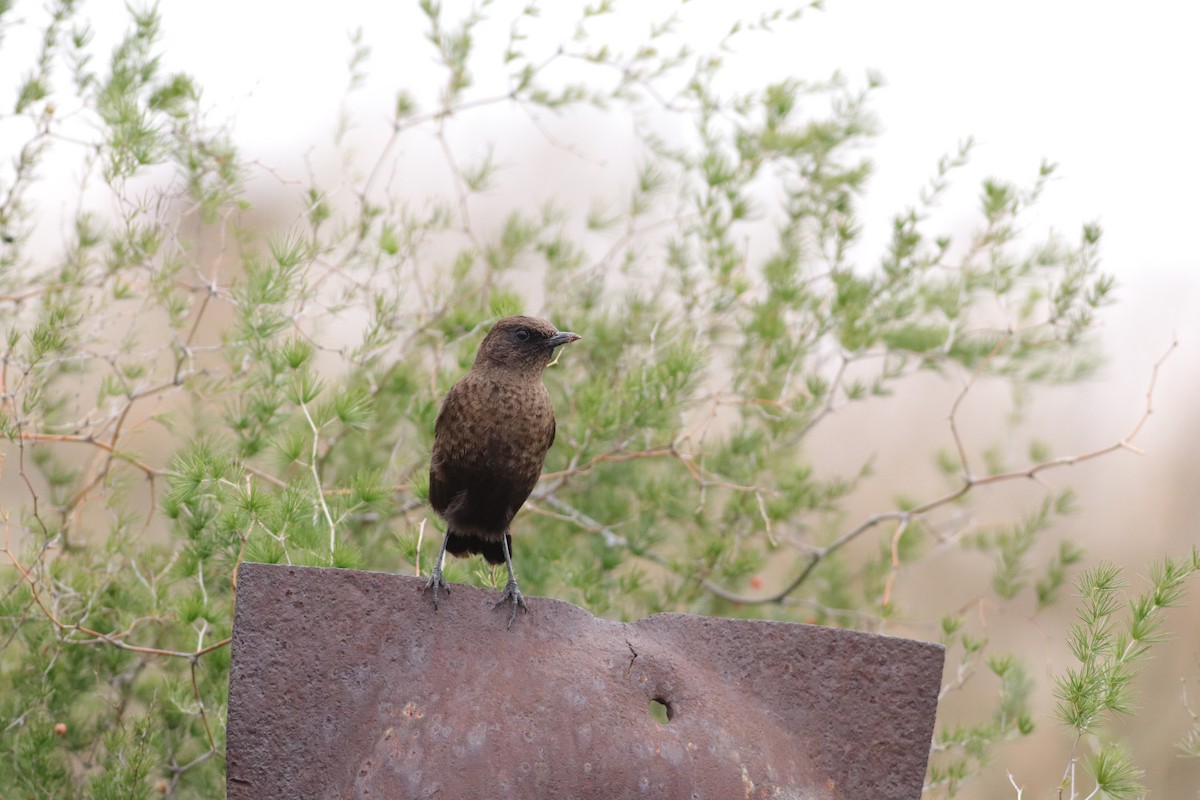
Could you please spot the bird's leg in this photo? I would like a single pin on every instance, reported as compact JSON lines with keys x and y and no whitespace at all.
{"x":436,"y":581}
{"x":511,"y":593}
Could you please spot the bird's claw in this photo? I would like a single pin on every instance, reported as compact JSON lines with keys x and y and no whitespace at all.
{"x":513,"y":596}
{"x":436,"y":582}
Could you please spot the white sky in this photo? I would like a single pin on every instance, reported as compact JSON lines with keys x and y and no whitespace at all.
{"x":1107,"y":90}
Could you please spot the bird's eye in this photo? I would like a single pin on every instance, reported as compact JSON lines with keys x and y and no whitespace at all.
{"x":522,"y":335}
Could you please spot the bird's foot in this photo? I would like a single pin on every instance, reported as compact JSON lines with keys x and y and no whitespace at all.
{"x":437,"y":582}
{"x":512,"y":595}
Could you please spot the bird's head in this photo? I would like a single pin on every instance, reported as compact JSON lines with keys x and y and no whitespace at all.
{"x":524,"y":344}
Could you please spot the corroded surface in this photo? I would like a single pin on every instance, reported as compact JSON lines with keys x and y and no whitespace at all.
{"x":348,"y":684}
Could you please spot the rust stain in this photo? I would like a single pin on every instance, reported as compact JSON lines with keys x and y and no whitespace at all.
{"x":747,"y":784}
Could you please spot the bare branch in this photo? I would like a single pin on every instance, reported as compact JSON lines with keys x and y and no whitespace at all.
{"x":968,"y":485}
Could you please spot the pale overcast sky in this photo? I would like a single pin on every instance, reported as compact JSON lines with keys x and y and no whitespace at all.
{"x":1107,"y":90}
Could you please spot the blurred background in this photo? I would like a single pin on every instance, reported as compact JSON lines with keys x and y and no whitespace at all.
{"x":1106,"y":91}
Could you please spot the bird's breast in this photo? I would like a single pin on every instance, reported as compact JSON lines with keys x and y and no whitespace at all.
{"x":504,"y":423}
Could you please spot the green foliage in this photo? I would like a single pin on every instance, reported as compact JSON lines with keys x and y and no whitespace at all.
{"x":1012,"y":544}
{"x":1116,"y":776}
{"x":1108,"y":652}
{"x":184,"y":391}
{"x":1110,"y":648}
{"x":959,"y":751}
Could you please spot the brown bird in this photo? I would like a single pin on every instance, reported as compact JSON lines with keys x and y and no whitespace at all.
{"x":490,"y":441}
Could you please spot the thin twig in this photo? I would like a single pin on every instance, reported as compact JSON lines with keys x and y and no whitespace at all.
{"x":958,"y":442}
{"x":114,"y":639}
{"x":317,"y":477}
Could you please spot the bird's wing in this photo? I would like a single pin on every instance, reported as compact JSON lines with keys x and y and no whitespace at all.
{"x":450,"y":404}
{"x":440,"y":493}
{"x":442,"y":487}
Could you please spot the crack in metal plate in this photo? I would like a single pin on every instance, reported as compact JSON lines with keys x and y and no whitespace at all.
{"x":347,"y":684}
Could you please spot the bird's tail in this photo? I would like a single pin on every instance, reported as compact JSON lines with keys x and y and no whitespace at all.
{"x":465,"y":544}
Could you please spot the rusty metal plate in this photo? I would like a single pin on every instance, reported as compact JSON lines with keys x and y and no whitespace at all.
{"x":348,"y":684}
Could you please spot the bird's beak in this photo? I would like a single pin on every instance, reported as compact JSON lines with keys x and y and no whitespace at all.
{"x":564,"y":337}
